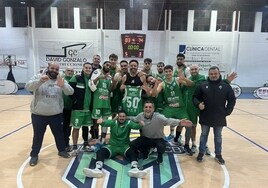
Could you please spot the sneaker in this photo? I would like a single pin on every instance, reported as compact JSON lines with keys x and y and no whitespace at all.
{"x":92,"y":173}
{"x":193,"y":149}
{"x":64,"y":154}
{"x":87,"y":148}
{"x":200,"y":157}
{"x":68,"y":149}
{"x":169,"y":137}
{"x":208,"y":151}
{"x":219,"y":159}
{"x":136,"y":173}
{"x":187,"y":149}
{"x":74,"y":151}
{"x":33,"y":161}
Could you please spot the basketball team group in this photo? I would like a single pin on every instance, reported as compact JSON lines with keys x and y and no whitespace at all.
{"x":120,"y":97}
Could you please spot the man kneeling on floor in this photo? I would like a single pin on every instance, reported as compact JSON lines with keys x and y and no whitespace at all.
{"x":118,"y":145}
{"x":152,"y":132}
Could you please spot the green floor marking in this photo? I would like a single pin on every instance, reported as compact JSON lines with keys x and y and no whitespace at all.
{"x":84,"y":163}
{"x":165,"y":171}
{"x":122,"y":179}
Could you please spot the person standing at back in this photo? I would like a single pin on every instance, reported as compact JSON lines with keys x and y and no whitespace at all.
{"x":67,"y":110}
{"x":46,"y":109}
{"x":216,"y":100}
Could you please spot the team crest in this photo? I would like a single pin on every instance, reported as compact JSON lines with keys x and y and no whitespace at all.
{"x":168,"y":174}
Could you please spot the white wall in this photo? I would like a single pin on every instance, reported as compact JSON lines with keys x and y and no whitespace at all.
{"x":244,"y":52}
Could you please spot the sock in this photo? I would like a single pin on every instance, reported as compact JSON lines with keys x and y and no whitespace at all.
{"x":172,"y":131}
{"x":193,"y":142}
{"x":178,"y":133}
{"x":134,"y":164}
{"x":99,"y":165}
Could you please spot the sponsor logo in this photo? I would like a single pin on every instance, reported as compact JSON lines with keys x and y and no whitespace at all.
{"x":261,"y":92}
{"x":115,"y":171}
{"x":237,"y":90}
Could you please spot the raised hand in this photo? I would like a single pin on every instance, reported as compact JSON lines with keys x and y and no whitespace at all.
{"x":186,"y":123}
{"x":60,"y":81}
{"x":99,"y":121}
{"x":232,"y":76}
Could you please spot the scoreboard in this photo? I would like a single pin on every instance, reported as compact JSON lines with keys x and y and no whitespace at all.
{"x":133,"y":45}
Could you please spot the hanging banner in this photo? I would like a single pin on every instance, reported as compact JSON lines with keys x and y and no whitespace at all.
{"x":205,"y":56}
{"x":67,"y":54}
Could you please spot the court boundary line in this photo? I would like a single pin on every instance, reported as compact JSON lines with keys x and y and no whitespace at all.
{"x":16,"y":130}
{"x":263,"y":148}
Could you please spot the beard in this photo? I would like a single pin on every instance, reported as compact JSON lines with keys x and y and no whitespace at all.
{"x":52,"y":75}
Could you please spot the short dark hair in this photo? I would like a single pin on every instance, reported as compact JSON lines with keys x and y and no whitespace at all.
{"x":122,"y":111}
{"x":105,"y":62}
{"x":113,"y":56}
{"x":149,"y":101}
{"x":134,"y":60}
{"x":168,"y":67}
{"x":181,"y":55}
{"x":123,"y":61}
{"x":161,"y":63}
{"x":87,"y":63}
{"x":149,"y":60}
{"x":214,"y":68}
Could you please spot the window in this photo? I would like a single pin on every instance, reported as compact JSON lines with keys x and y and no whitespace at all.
{"x":88,"y":18}
{"x":179,"y":17}
{"x":66,"y":17}
{"x":111,"y":15}
{"x":224,"y":20}
{"x":264,"y":25}
{"x":2,"y":17}
{"x":133,"y":19}
{"x":156,"y":19}
{"x":202,"y":20}
{"x":19,"y":15}
{"x":43,"y":17}
{"x":247,"y":20}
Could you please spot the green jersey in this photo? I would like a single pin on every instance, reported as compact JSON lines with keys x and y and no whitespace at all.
{"x":102,"y":94}
{"x":120,"y":131}
{"x":132,"y":102}
{"x":173,"y":93}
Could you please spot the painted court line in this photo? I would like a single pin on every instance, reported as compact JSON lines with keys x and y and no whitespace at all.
{"x":263,"y":148}
{"x":21,"y":169}
{"x":8,"y":134}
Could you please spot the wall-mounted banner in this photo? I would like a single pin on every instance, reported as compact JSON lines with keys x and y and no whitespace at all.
{"x":237,"y":90}
{"x":73,"y":54}
{"x":133,"y":45}
{"x":205,"y":56}
{"x":261,"y":92}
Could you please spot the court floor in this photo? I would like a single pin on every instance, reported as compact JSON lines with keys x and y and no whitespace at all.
{"x":245,"y":150}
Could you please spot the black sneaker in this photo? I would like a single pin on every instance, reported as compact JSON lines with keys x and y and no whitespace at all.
{"x":64,"y":154}
{"x":33,"y":161}
{"x":200,"y":157}
{"x":188,"y":150}
{"x":219,"y":159}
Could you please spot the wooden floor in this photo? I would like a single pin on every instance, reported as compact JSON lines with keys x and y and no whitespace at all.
{"x":245,"y":150}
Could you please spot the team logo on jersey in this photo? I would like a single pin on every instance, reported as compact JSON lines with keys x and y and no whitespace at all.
{"x":168,"y":174}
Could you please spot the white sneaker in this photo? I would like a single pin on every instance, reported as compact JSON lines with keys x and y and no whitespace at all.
{"x":136,"y":173}
{"x":92,"y":173}
{"x":74,"y":153}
